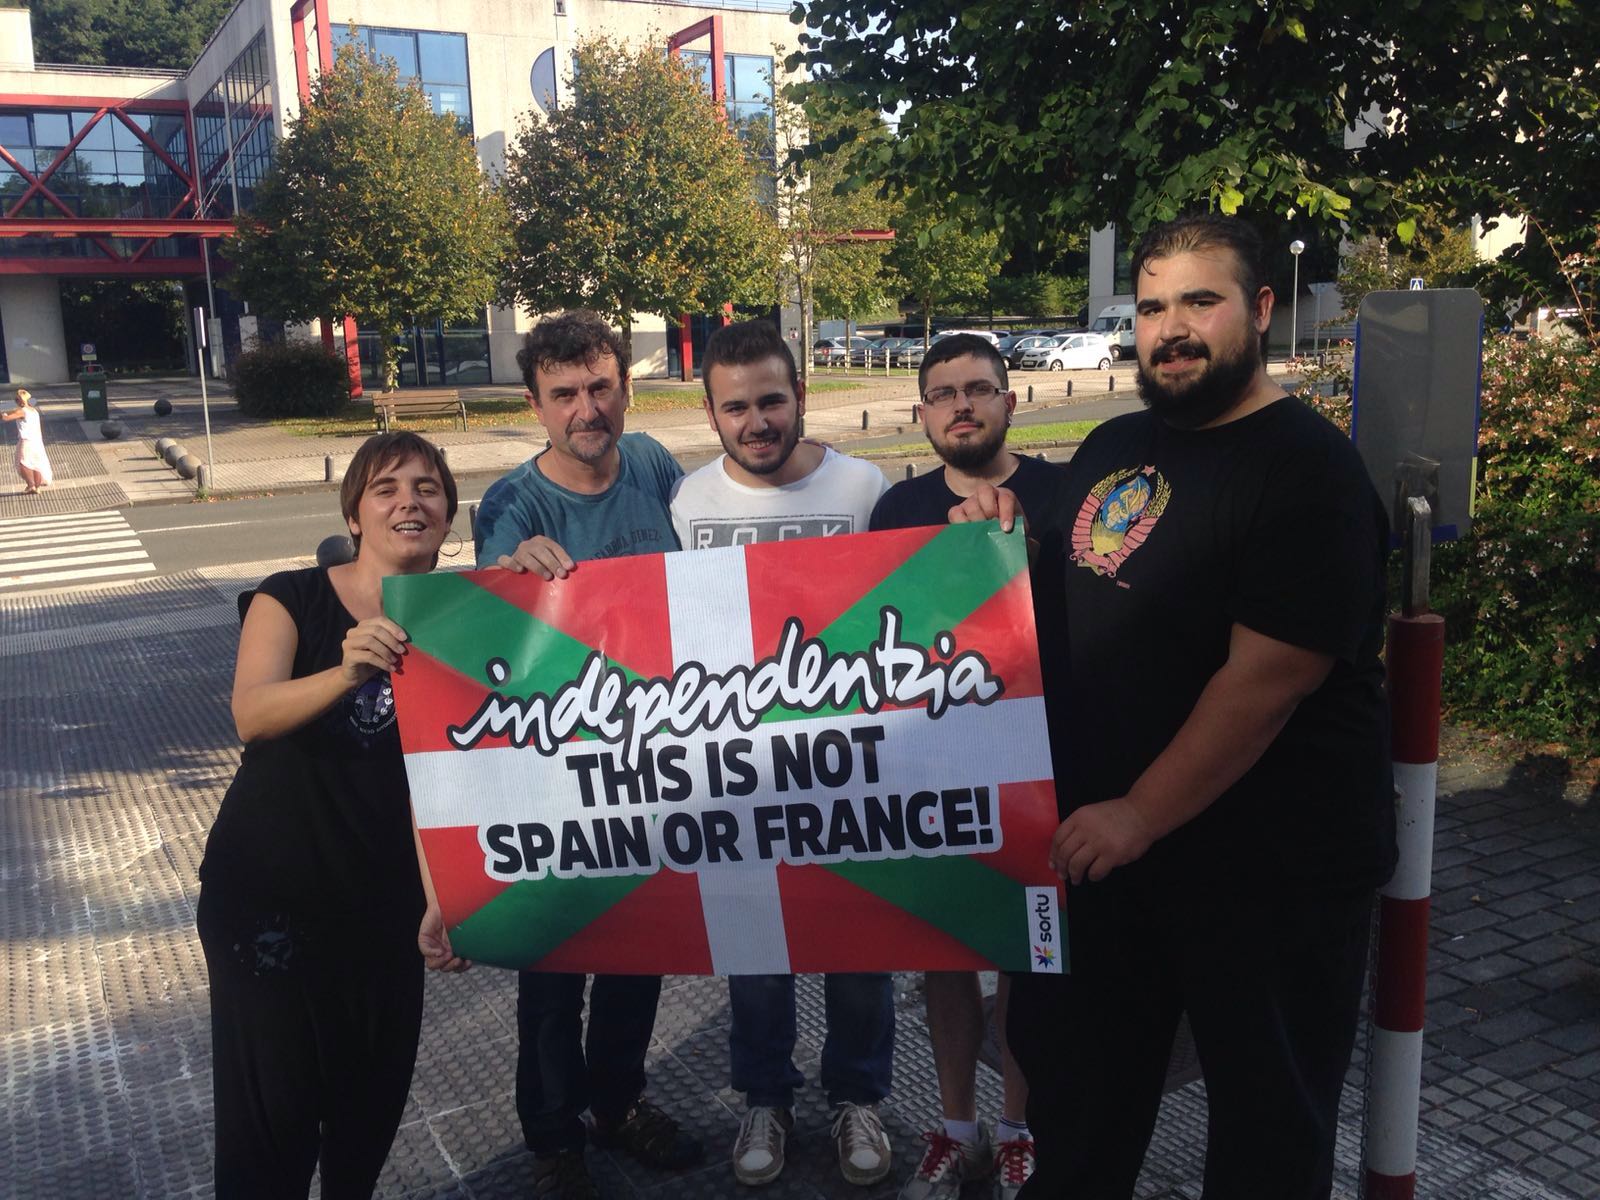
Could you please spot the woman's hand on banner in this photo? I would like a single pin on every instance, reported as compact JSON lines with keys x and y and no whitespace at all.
{"x":1098,"y":838}
{"x":434,"y":943}
{"x":376,"y":644}
{"x":542,"y":556}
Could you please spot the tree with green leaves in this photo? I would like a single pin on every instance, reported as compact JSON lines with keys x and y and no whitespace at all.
{"x":1441,"y":255}
{"x":124,"y":33}
{"x":1134,"y":111}
{"x":940,"y":260}
{"x":635,"y":196}
{"x":375,"y":206}
{"x":824,"y":266}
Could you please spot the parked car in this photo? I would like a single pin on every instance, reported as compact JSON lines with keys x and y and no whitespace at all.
{"x":1075,"y":351}
{"x":909,"y":355}
{"x":1026,"y":343}
{"x":835,"y":351}
{"x":874,"y":353}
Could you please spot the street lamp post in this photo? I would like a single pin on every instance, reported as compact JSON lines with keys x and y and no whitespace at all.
{"x":1296,"y":248}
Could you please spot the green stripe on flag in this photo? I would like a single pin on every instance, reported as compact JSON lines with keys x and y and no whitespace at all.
{"x":533,"y":917}
{"x":960,"y":896}
{"x":459,"y":623}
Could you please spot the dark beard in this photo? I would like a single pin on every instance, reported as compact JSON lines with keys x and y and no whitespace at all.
{"x":1219,"y":389}
{"x":970,"y":455}
{"x":787,"y":442}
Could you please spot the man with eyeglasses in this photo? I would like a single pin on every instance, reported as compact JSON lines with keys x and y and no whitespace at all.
{"x":596,"y":492}
{"x":770,"y":485}
{"x":967,"y":406}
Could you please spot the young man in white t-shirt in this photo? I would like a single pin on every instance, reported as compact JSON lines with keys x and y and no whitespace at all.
{"x":770,"y":486}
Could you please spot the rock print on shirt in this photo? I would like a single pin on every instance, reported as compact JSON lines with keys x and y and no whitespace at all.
{"x":1116,"y":516}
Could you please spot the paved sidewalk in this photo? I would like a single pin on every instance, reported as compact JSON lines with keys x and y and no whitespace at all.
{"x":252,"y":456}
{"x":116,"y":746}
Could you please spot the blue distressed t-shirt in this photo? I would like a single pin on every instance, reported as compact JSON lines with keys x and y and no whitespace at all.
{"x":629,"y":517}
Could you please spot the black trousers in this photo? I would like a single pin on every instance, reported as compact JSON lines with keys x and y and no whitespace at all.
{"x":559,"y":1072}
{"x":312,"y":1049}
{"x":1271,"y":982}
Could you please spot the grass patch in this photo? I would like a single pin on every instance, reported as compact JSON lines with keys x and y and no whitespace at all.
{"x":488,"y":411}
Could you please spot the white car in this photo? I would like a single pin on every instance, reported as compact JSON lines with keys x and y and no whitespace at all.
{"x":1071,"y":352}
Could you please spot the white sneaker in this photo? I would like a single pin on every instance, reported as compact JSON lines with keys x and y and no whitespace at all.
{"x":863,"y":1145}
{"x":947,"y":1165}
{"x":758,"y":1150}
{"x":1013,"y":1167}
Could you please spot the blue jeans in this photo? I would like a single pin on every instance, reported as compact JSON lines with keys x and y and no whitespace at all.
{"x":559,"y":1072}
{"x":857,"y":1054}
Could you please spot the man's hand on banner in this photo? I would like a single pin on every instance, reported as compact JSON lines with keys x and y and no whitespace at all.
{"x":376,"y":644}
{"x":1098,"y":838}
{"x":990,"y":503}
{"x":434,"y":943}
{"x":540,"y":555}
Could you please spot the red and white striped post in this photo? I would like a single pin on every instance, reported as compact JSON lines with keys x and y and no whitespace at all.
{"x":1415,"y":655}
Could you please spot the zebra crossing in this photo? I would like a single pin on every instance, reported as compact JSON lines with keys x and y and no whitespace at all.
{"x":63,"y":549}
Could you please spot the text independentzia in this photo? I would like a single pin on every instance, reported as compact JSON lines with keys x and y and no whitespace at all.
{"x":803,"y":676}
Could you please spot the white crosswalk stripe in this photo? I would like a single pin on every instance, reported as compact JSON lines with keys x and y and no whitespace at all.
{"x":69,"y":548}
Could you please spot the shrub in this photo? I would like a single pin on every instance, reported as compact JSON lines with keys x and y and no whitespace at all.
{"x":290,"y":379}
{"x":1521,"y":593}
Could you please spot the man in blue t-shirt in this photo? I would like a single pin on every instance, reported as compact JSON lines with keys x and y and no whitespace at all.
{"x":594,"y":493}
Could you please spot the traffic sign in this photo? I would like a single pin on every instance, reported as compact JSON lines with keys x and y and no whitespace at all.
{"x":1416,"y":283}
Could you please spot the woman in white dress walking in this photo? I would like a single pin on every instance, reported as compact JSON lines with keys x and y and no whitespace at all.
{"x":33,"y":464}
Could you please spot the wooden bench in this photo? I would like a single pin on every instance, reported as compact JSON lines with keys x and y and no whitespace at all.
{"x":418,"y":402}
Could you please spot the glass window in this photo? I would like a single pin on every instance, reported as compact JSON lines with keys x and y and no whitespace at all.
{"x":98,"y":137}
{"x":401,"y":47}
{"x":51,"y":129}
{"x":750,"y":78}
{"x":443,"y":57}
{"x":14,"y":132}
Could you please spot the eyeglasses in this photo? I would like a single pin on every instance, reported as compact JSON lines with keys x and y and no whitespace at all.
{"x":976,"y":392}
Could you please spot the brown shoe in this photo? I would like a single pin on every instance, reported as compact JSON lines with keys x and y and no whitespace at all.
{"x":652,"y":1137}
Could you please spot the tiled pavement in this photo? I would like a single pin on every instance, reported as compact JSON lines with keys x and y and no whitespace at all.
{"x":115,"y":748}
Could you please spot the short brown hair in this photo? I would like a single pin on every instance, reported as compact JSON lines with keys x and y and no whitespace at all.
{"x":378,"y":452}
{"x":743,"y":343}
{"x":576,"y":335}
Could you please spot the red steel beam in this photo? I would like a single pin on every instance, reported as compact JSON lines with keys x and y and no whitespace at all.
{"x":168,"y":268}
{"x":138,"y":103}
{"x":129,"y":227}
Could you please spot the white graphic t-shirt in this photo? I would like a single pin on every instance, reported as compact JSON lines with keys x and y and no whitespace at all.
{"x":709,"y":509}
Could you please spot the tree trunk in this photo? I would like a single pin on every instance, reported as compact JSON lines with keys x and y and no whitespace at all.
{"x":626,"y":332}
{"x":389,"y":358}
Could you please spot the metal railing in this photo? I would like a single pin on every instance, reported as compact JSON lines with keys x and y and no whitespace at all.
{"x":91,"y":69}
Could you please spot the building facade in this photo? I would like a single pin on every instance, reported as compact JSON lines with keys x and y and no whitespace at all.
{"x":117,"y":173}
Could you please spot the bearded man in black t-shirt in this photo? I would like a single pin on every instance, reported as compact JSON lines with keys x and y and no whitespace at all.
{"x":967,"y":405}
{"x":1226,"y":786}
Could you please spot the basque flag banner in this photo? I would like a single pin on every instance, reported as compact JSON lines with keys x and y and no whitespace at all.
{"x":821,"y":755}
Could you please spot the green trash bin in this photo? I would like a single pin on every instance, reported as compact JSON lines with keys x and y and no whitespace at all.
{"x":92,"y":385}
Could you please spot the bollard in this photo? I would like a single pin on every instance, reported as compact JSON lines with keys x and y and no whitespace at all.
{"x":911,"y":470}
{"x":172,"y":454}
{"x":916,"y":414}
{"x":472,"y":521}
{"x":1111,"y":383}
{"x":202,"y":477}
{"x":863,"y":418}
{"x":444,"y":455}
{"x":1030,"y":393}
{"x":327,"y":468}
{"x":331,"y":551}
{"x":188,"y":466}
{"x":1069,"y":388}
{"x":161,"y":446}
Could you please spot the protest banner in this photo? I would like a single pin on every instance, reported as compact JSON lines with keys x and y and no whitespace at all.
{"x":828,"y":754}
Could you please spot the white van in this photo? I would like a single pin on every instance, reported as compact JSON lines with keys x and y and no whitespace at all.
{"x":1116,"y":322}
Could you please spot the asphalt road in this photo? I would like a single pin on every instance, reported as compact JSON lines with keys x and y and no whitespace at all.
{"x":180,"y":537}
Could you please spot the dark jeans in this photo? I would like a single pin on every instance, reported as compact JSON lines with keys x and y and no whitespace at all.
{"x":857,"y":1054}
{"x":313,"y":1038}
{"x":1271,"y":981}
{"x":559,"y":1074}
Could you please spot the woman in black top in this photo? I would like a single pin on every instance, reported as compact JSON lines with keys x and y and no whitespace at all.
{"x":311,"y":898}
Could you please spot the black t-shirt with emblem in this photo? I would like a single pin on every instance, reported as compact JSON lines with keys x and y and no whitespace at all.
{"x":1172,"y":537}
{"x":317,"y":822}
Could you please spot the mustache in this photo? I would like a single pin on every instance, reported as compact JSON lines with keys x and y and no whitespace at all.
{"x":1188,"y":348}
{"x":598,"y":425}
